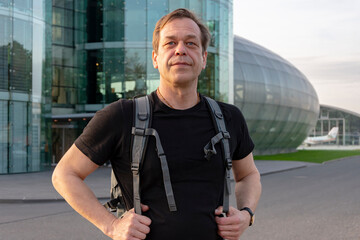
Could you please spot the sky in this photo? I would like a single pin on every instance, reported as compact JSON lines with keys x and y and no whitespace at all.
{"x":321,"y":38}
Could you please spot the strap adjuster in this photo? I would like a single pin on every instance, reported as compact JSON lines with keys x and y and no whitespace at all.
{"x":228,"y":163}
{"x":138,"y":131}
{"x":135,"y":168}
{"x":226,"y":134}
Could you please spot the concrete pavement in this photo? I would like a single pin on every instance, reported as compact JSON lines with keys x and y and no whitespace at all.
{"x":37,"y":187}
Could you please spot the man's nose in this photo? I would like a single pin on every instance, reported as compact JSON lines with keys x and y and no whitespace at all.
{"x":180,"y":49}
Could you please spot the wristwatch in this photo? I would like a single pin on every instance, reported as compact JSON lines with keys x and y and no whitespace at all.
{"x":252,"y":215}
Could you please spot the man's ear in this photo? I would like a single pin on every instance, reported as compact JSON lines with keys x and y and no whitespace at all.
{"x":204,"y":60}
{"x":154,"y":59}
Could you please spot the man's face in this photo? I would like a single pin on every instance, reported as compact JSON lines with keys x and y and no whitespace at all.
{"x":179,"y":57}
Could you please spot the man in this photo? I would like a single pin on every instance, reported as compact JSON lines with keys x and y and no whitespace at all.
{"x":184,"y":124}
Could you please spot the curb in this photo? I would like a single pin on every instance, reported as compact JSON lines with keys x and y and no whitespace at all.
{"x":17,"y":201}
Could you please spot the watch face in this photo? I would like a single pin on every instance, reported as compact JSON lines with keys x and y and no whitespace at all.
{"x":252,"y":220}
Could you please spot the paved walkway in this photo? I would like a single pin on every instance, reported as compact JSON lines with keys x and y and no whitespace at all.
{"x":37,"y":187}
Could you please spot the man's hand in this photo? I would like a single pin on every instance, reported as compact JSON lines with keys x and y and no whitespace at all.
{"x":233,"y":225}
{"x":130,"y":226}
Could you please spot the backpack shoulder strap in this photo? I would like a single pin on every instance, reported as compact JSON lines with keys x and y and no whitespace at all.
{"x":223,"y":136}
{"x":142,"y":117}
{"x":140,"y":132}
{"x":141,"y":121}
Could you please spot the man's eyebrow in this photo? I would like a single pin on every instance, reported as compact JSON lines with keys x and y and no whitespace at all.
{"x":174,"y":36}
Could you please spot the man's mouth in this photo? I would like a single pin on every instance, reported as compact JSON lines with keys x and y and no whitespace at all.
{"x":181,"y":63}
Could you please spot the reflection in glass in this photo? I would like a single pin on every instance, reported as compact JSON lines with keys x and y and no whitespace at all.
{"x":20,"y":77}
{"x":135,"y":20}
{"x":23,"y":5}
{"x":3,"y":136}
{"x":5,"y":32}
{"x":278,"y":102}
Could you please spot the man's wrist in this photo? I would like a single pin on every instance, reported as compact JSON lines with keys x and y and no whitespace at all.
{"x":251,"y":213}
{"x":108,"y":227}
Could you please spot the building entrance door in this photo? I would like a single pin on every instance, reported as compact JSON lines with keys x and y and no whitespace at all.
{"x":63,"y":137}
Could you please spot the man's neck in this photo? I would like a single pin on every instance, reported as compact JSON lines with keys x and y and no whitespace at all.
{"x":178,"y":98}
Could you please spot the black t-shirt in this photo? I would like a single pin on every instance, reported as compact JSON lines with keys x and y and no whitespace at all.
{"x":197,"y":183}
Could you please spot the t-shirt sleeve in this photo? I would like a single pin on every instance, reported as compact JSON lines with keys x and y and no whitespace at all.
{"x":100,"y":137}
{"x":244,"y":144}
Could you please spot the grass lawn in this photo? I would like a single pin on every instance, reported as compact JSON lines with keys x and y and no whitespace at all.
{"x":315,"y":156}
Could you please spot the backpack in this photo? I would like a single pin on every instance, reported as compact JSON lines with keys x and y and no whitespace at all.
{"x":140,"y":133}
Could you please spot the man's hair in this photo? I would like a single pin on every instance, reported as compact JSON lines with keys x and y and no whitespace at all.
{"x":180,"y":13}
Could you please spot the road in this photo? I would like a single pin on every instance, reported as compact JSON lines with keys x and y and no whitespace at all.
{"x":316,"y":202}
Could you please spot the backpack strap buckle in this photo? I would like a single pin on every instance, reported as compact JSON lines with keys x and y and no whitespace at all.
{"x":226,"y":134}
{"x":138,"y":131}
{"x":209,"y":149}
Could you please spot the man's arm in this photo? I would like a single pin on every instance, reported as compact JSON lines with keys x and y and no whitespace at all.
{"x":247,"y":183}
{"x":68,"y":180}
{"x":247,"y":193}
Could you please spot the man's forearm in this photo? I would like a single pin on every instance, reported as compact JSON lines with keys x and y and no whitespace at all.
{"x":79,"y":196}
{"x":248,"y":191}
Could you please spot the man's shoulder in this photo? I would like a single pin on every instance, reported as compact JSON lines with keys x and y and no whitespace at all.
{"x":230,"y":111}
{"x":119,"y":107}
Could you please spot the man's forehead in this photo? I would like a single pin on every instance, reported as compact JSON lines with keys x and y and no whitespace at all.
{"x":174,"y":26}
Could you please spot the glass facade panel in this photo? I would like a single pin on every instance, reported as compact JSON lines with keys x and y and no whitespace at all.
{"x":63,"y":17}
{"x":5,"y":32}
{"x":115,"y":87}
{"x":152,"y":74}
{"x":93,"y":15}
{"x":63,"y":36}
{"x":81,"y":76}
{"x":38,"y":9}
{"x":35,"y":138}
{"x":69,"y":4}
{"x":278,"y":102}
{"x":63,"y":89}
{"x":5,"y":3}
{"x":3,"y":136}
{"x":64,"y":82}
{"x":156,"y":9}
{"x":135,"y":21}
{"x":63,"y":56}
{"x":175,"y":4}
{"x":196,"y":6}
{"x":209,"y":78}
{"x":135,"y":82}
{"x":23,"y":5}
{"x":80,"y":22}
{"x":21,"y":69}
{"x":114,"y":15}
{"x":95,"y":77}
{"x":18,"y":137}
{"x":25,"y":73}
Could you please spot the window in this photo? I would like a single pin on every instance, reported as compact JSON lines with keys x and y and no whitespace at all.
{"x":4,"y":51}
{"x":135,"y":20}
{"x":21,"y":69}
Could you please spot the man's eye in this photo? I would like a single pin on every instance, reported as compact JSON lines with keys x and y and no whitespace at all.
{"x":171,"y":43}
{"x":190,"y":43}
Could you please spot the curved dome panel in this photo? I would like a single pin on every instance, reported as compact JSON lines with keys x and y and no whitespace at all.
{"x":278,"y":102}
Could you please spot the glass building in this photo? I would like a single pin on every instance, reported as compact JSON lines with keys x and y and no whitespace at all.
{"x":25,"y":86}
{"x":347,"y":121}
{"x":63,"y":60}
{"x":278,"y":102}
{"x":102,"y":52}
